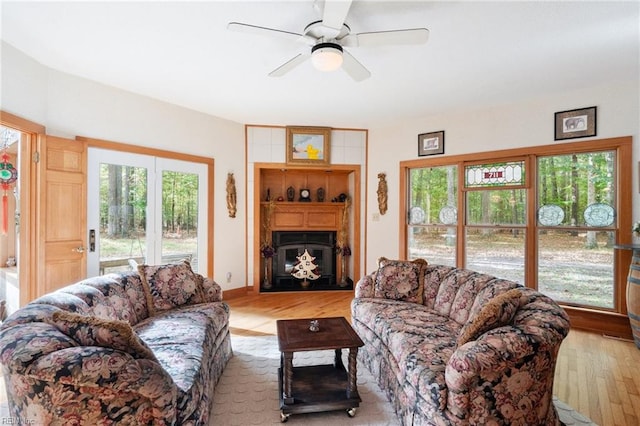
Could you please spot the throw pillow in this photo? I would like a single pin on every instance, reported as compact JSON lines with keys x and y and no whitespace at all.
{"x":170,"y":286}
{"x":95,"y":331}
{"x":400,"y":279}
{"x":498,"y":312}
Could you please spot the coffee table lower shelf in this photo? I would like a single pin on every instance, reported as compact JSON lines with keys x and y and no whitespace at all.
{"x":317,"y":388}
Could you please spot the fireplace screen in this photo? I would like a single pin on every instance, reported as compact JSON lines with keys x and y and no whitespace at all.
{"x":289,"y":245}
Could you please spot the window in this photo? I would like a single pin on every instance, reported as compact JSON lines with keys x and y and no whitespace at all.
{"x":433,"y":214}
{"x":546,"y":217}
{"x":576,"y":227}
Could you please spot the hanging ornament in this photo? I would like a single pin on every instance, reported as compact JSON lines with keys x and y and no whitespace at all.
{"x":8,"y":175}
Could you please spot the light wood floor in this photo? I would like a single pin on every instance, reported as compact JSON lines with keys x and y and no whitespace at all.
{"x":596,"y":375}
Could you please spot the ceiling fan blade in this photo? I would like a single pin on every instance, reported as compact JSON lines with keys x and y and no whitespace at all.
{"x":289,"y":65}
{"x":355,"y":69}
{"x":387,"y":38}
{"x":335,"y":12}
{"x":254,"y":29}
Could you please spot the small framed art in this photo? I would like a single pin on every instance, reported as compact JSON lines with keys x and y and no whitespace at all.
{"x":308,"y":145}
{"x":575,"y":123}
{"x":431,"y":143}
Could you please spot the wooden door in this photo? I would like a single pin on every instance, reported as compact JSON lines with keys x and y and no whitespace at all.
{"x":61,"y":211}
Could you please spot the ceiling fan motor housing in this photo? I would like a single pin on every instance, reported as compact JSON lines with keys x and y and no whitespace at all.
{"x":326,"y":46}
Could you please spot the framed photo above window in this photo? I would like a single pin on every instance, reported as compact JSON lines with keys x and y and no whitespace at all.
{"x":308,"y":145}
{"x":431,"y":143}
{"x":576,"y":123}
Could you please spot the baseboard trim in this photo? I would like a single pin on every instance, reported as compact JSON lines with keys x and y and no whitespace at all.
{"x":236,"y":292}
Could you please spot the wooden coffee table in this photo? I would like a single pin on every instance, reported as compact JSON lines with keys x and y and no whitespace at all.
{"x":307,"y":389}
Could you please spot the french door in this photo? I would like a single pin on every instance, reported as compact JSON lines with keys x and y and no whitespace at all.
{"x":144,"y":209}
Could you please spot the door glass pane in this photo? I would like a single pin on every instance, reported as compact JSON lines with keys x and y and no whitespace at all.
{"x":433,"y":214}
{"x":10,"y":218}
{"x":123,"y":206}
{"x":180,"y":217}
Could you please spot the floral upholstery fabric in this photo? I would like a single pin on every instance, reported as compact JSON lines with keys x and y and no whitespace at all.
{"x":54,"y":379}
{"x":93,"y":331}
{"x":211,"y":291}
{"x":180,"y":340}
{"x":123,"y":296}
{"x":170,"y":286}
{"x":503,"y":376}
{"x":400,"y":279}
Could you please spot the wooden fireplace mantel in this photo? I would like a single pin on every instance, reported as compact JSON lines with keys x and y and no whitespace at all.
{"x":273,"y":181}
{"x":296,"y":216}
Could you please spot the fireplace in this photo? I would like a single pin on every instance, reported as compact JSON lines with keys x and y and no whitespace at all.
{"x":288,"y":245}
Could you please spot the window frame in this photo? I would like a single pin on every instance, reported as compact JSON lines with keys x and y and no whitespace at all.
{"x":612,"y":321}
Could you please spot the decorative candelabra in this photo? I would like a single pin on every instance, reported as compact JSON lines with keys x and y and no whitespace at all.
{"x":266,"y":248}
{"x":342,"y":243}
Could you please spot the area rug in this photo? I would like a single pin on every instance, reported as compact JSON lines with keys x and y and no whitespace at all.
{"x":247,"y":393}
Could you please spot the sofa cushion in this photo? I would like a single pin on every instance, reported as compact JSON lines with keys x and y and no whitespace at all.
{"x":497,"y":312}
{"x":400,"y":279}
{"x":419,"y":340}
{"x":94,"y":331}
{"x":189,"y":344}
{"x":123,"y":291}
{"x":170,"y":286}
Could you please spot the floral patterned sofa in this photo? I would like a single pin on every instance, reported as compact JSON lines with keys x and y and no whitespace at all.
{"x":451,"y":346}
{"x":131,"y":348}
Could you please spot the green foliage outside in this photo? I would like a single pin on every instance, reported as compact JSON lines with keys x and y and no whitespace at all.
{"x":123,"y":209}
{"x":123,"y":202}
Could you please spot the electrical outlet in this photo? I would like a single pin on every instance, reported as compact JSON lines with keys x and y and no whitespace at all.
{"x":375,"y":217}
{"x":228,"y":277}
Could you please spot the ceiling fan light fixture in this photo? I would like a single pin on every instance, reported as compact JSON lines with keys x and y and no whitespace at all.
{"x":326,"y":56}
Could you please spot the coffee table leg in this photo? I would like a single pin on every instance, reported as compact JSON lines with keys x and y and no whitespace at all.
{"x":352,"y":384}
{"x":338,"y":359}
{"x":287,"y":377}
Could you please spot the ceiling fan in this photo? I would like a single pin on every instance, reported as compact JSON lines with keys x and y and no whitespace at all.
{"x":329,"y":37}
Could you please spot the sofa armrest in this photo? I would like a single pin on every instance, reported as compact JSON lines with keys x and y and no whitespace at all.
{"x":508,"y":370}
{"x":137,"y":389}
{"x":22,"y":344}
{"x":212,"y":290}
{"x":364,"y":286}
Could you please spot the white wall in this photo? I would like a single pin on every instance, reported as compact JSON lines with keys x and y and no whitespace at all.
{"x":24,"y":85}
{"x":525,"y":124}
{"x":70,"y":106}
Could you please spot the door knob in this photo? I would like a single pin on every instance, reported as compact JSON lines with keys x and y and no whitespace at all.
{"x":79,"y":249}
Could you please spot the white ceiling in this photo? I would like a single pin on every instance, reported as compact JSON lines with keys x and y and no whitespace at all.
{"x":479,"y":54}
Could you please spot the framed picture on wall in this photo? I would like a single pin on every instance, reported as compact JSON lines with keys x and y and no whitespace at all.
{"x":575,"y":123}
{"x":308,"y":145}
{"x":431,"y":143}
